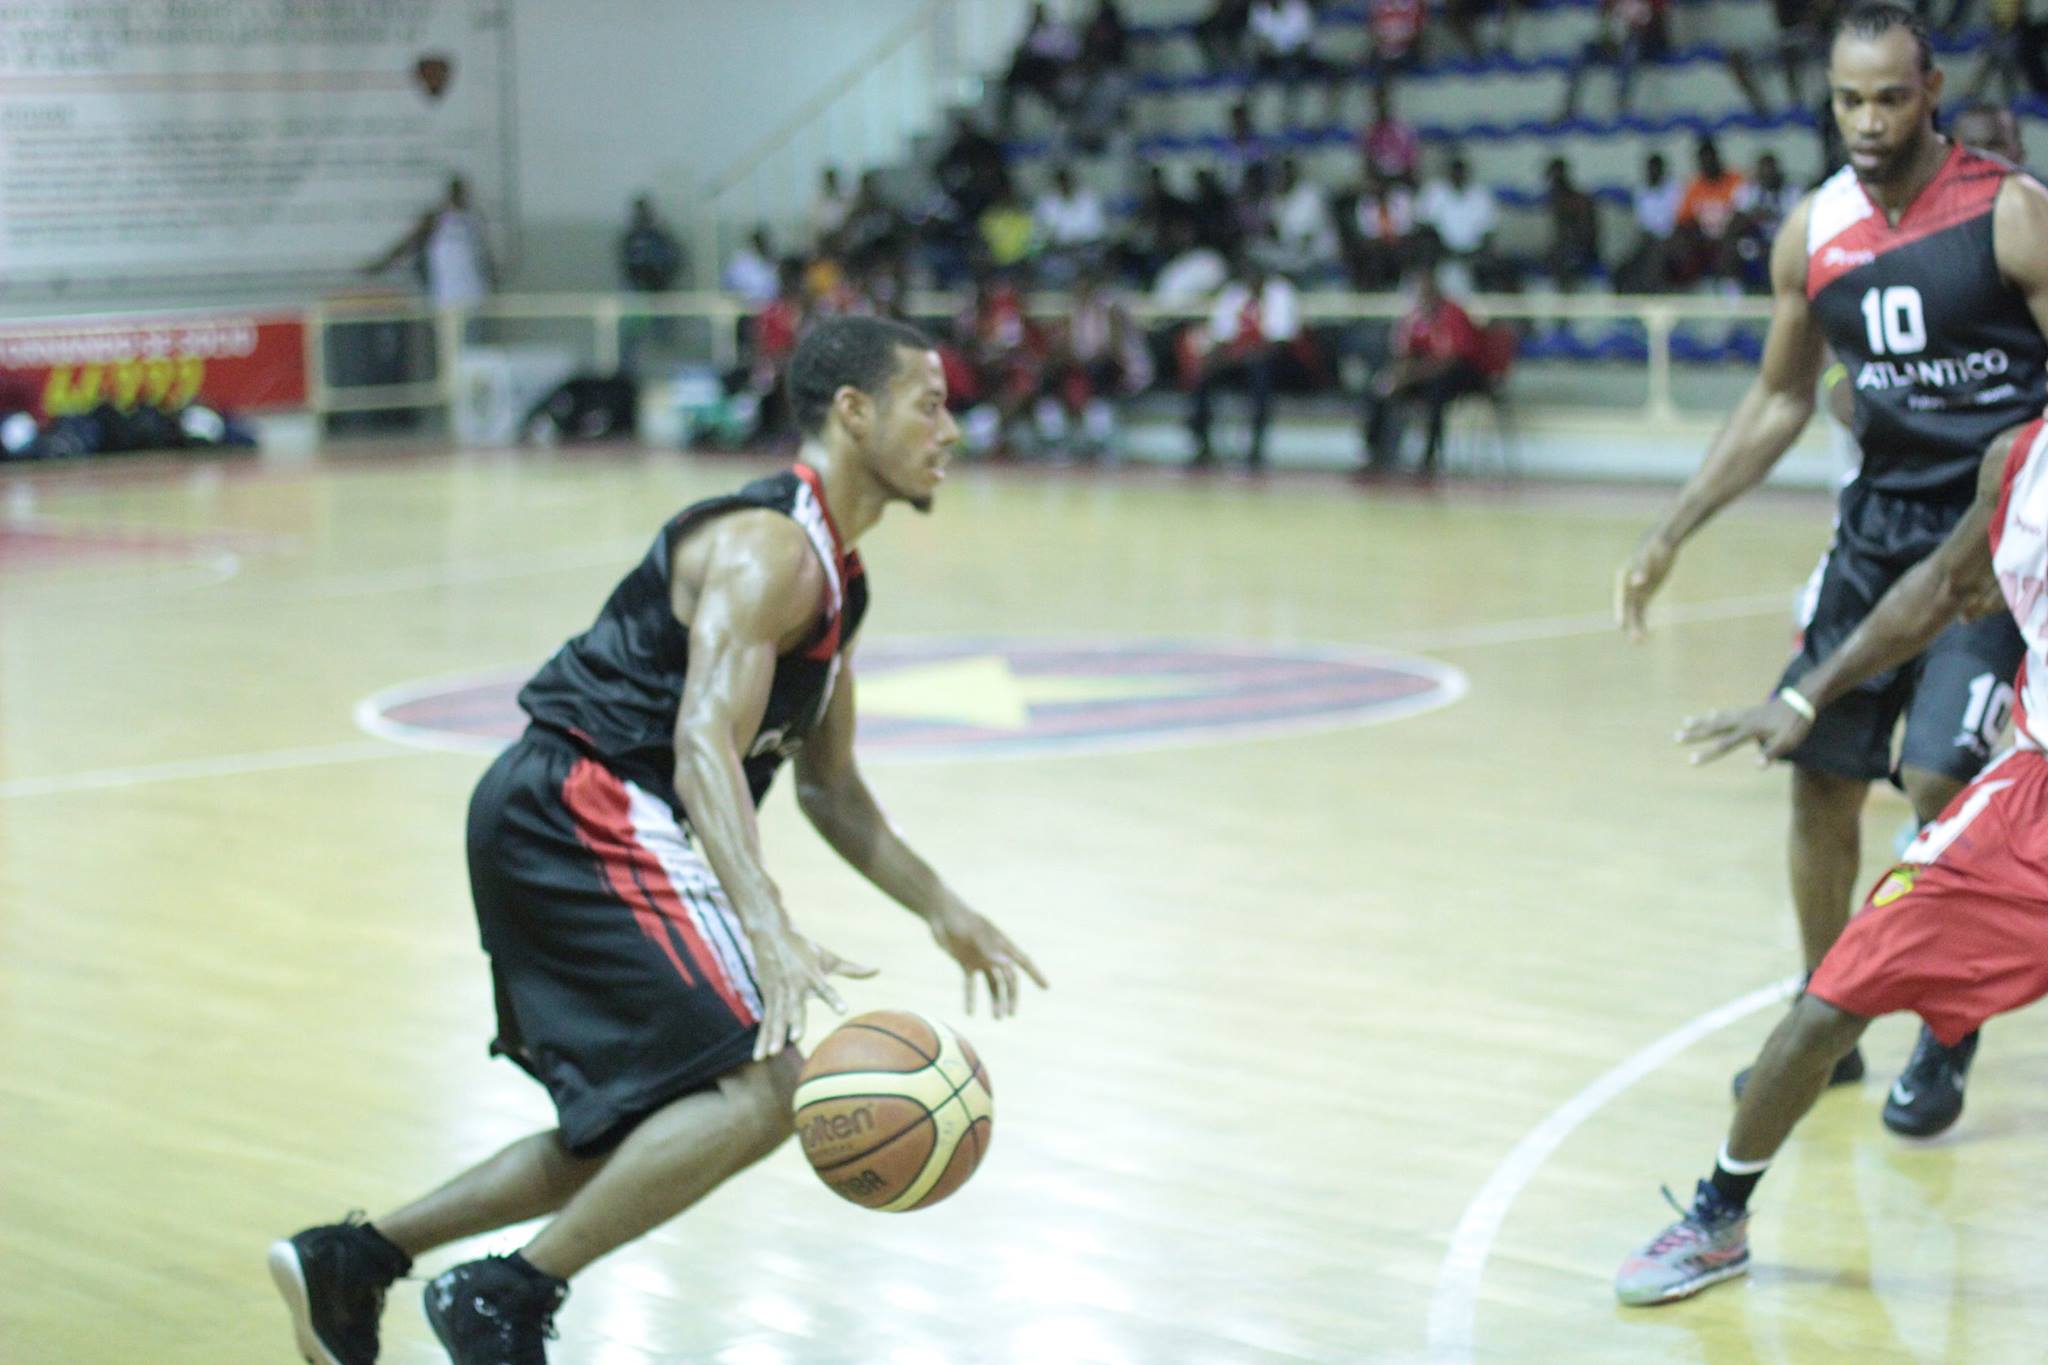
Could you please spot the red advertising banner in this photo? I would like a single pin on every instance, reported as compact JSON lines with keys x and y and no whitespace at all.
{"x":238,"y":362}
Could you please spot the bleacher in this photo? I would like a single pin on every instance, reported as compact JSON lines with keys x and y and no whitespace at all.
{"x":1501,"y":113}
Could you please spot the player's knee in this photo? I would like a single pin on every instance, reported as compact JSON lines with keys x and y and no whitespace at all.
{"x":762,"y":1092}
{"x":1819,"y":1029}
{"x":1929,"y":791}
{"x":1823,"y":800}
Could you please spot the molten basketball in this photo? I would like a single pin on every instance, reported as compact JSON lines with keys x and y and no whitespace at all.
{"x":894,"y":1110}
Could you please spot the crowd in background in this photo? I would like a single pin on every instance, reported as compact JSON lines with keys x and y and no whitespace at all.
{"x":1230,"y":243}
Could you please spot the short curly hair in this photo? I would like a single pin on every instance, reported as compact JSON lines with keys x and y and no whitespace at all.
{"x":845,"y":352}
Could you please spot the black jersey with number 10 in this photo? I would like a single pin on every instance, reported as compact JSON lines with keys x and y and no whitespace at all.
{"x":1941,"y":348}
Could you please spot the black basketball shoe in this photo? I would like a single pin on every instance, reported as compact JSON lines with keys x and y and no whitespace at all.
{"x":491,"y":1312}
{"x":1848,"y":1071}
{"x":1928,"y":1095}
{"x":333,"y":1279}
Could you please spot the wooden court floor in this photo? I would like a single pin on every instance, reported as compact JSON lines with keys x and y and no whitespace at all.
{"x":1366,"y":1043}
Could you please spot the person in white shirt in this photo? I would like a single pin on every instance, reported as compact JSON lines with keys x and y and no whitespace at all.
{"x":1283,"y":49}
{"x":1193,"y":271}
{"x":451,"y":249}
{"x":1254,"y":316}
{"x":751,"y":273}
{"x":828,"y":211}
{"x":1073,"y":226}
{"x":1645,"y":270}
{"x":1042,"y":65}
{"x":1305,"y":234}
{"x":1464,"y":216}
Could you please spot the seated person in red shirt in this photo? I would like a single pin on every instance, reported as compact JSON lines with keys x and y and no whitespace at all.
{"x":1397,"y":28}
{"x":1437,"y":356}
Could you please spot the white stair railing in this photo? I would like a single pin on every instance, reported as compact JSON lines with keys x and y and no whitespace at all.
{"x":867,"y":118}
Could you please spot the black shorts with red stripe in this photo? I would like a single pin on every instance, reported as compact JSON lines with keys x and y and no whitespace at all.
{"x":624,"y":980}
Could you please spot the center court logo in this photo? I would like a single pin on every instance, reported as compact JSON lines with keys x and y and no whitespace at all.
{"x":1018,"y":697}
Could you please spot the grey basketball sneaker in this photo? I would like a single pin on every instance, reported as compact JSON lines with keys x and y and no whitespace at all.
{"x":1708,"y":1244}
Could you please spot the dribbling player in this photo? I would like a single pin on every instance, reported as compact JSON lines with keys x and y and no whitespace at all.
{"x":647,"y":972}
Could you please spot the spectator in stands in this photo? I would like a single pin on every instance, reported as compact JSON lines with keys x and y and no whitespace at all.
{"x":1193,"y":270}
{"x":1574,"y":251}
{"x":1989,"y":128}
{"x":771,"y":341}
{"x":1104,"y":79}
{"x":1151,"y":232}
{"x":1703,"y":244}
{"x":1804,"y":27}
{"x":751,"y":272}
{"x":1438,"y":355}
{"x":1464,"y":17}
{"x":450,"y":250}
{"x":1251,"y":210}
{"x":1761,"y":206}
{"x":1304,"y":232}
{"x":2013,"y":56}
{"x":1008,"y":231}
{"x":1464,"y":217}
{"x":1283,"y":36}
{"x":1214,"y":221}
{"x":1384,"y":227}
{"x":1390,"y":145}
{"x":874,"y":228}
{"x":827,"y":212}
{"x":971,"y":171}
{"x":1256,"y":313}
{"x":1006,"y":351}
{"x":1106,"y":41}
{"x":650,"y":258}
{"x":1242,"y":144}
{"x":1221,"y":33}
{"x":1098,"y":356}
{"x":1072,"y":229}
{"x":1631,"y":32}
{"x":1041,"y":65}
{"x":1397,"y":28}
{"x":1646,"y":269}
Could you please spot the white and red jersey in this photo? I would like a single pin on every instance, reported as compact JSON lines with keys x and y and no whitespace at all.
{"x":2019,"y":555}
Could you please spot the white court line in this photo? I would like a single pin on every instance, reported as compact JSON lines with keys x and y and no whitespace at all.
{"x":223,"y":765}
{"x":1590,"y":623}
{"x":1454,"y":1306}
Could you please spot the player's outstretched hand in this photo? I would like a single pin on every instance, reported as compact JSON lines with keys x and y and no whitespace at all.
{"x":985,"y":953}
{"x":1638,"y":581}
{"x":1774,"y":727}
{"x":790,"y":969}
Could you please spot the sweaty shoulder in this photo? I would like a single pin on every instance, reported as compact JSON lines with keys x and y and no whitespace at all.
{"x":2019,"y":230}
{"x":761,"y":566}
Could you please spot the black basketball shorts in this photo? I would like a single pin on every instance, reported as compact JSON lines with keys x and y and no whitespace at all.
{"x":1956,"y":698}
{"x":624,"y":980}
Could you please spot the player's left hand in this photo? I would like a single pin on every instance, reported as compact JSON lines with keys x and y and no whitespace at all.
{"x":985,"y":953}
{"x":1775,"y":728}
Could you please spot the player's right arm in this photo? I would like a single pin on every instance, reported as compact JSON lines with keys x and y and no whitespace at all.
{"x":1956,"y":581}
{"x":1756,"y":435}
{"x":749,"y":592}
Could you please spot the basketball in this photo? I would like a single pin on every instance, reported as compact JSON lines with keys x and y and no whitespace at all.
{"x":894,"y":1111}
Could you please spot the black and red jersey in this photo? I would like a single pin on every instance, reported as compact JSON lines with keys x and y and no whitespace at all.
{"x":615,"y":688}
{"x":1941,"y":348}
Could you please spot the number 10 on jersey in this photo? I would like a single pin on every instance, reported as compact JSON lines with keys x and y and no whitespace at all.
{"x":1894,"y":320}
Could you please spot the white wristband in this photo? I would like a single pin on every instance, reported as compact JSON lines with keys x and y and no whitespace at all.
{"x":1796,"y":699}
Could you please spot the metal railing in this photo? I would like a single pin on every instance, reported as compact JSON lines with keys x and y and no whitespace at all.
{"x":607,"y":323}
